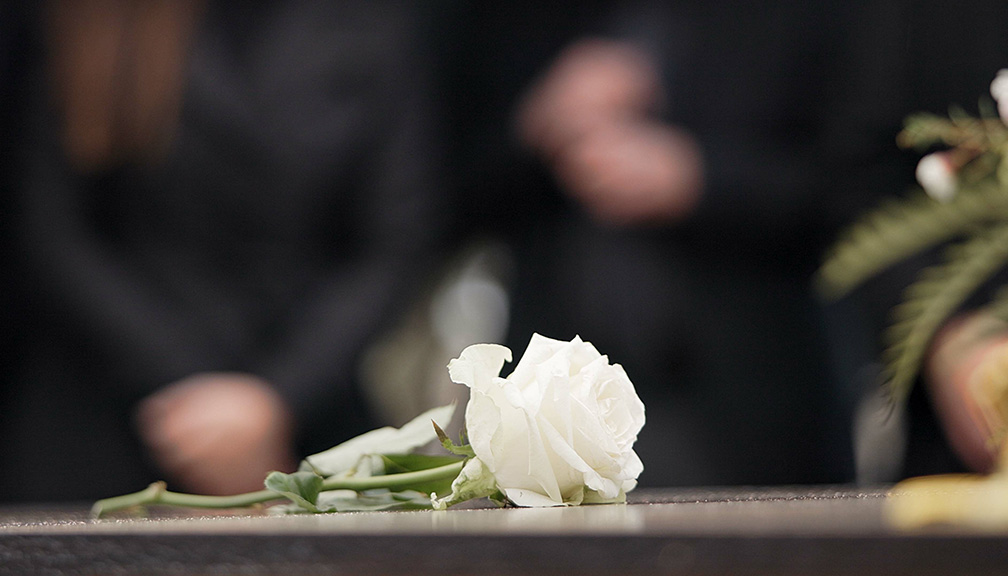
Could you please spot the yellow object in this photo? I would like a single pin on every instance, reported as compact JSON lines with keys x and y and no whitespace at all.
{"x":968,"y":501}
{"x":962,"y":500}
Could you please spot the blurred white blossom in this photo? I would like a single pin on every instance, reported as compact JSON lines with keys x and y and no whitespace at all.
{"x":999,"y":91}
{"x":937,"y":175}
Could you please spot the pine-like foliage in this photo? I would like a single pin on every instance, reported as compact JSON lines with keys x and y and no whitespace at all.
{"x":934,"y":297}
{"x":973,"y":224}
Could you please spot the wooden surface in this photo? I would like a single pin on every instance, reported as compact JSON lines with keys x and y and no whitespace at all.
{"x":783,"y":531}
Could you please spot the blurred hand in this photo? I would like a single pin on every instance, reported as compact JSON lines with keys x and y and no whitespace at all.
{"x":632,"y":173}
{"x":590,"y":118}
{"x":218,"y":433}
{"x":592,"y":82}
{"x":967,"y":377}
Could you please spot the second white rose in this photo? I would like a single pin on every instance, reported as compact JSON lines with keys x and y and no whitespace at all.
{"x":560,"y":429}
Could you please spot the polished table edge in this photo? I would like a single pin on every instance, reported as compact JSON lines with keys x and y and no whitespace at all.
{"x":749,"y":531}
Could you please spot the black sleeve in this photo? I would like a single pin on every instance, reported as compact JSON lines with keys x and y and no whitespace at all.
{"x":401,"y":214}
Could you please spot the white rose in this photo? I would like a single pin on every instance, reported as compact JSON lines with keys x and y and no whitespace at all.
{"x":560,"y":429}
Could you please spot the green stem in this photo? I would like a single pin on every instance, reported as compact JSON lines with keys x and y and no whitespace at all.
{"x":156,"y":493}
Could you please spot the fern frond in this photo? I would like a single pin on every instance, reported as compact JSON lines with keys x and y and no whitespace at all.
{"x":901,"y":228}
{"x":924,"y":130}
{"x":931,"y":300}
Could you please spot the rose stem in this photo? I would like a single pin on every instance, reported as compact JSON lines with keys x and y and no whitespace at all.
{"x":157,"y":494}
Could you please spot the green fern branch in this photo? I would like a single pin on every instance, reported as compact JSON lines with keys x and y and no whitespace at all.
{"x":931,"y":300}
{"x":901,"y":228}
{"x":974,"y":223}
{"x":924,"y":130}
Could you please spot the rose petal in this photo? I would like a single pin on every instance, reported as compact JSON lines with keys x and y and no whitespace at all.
{"x":479,"y":365}
{"x":564,"y":420}
{"x":529,"y":498}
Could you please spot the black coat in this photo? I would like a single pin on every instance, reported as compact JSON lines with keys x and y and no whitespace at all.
{"x":293,"y":214}
{"x":714,"y":319}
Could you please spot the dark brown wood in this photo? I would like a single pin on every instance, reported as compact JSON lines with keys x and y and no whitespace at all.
{"x":785,"y":531}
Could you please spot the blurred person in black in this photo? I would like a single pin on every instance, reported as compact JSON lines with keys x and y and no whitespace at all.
{"x":220,"y":206}
{"x":664,"y":173}
{"x":10,"y":70}
{"x":790,"y":111}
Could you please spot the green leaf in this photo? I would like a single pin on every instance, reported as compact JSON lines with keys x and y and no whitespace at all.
{"x":366,"y":501}
{"x":398,"y":463}
{"x":375,"y":500}
{"x":301,"y":488}
{"x":344,"y":457}
{"x":901,"y":228}
{"x":499,"y":499}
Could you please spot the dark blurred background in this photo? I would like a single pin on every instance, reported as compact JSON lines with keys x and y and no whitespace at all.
{"x":237,"y":234}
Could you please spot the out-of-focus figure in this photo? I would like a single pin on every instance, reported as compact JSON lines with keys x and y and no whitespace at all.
{"x":661,"y":178}
{"x":219,"y":207}
{"x":594,"y":118}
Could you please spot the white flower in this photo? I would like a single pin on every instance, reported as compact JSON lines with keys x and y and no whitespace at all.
{"x":999,"y":91}
{"x":937,"y":176}
{"x":560,"y":429}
